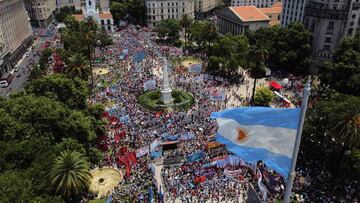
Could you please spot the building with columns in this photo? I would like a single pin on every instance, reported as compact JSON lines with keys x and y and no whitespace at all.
{"x":15,"y":33}
{"x":239,"y":19}
{"x":103,"y":17}
{"x":256,"y":3}
{"x":41,"y":12}
{"x":158,"y":10}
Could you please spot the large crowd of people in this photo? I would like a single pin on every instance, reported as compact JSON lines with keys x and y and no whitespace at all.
{"x":134,"y":59}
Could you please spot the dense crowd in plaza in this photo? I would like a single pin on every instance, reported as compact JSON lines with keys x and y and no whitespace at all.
{"x":132,"y":60}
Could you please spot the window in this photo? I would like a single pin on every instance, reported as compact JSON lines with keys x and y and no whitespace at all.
{"x":350,"y":31}
{"x":168,"y":10}
{"x":162,"y":17}
{"x":176,"y":3}
{"x":153,"y":11}
{"x":328,"y":39}
{"x":153,"y":17}
{"x":353,"y":16}
{"x":161,"y":4}
{"x":326,"y":47}
{"x":162,"y":11}
{"x":183,"y":10}
{"x":89,"y":3}
{"x":153,"y":5}
{"x":351,"y":23}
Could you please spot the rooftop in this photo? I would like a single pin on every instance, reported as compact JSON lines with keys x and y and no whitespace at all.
{"x":249,"y":13}
{"x":79,"y":17}
{"x":104,"y":15}
{"x":276,"y":8}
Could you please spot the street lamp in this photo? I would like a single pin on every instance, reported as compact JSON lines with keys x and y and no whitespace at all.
{"x":247,"y":89}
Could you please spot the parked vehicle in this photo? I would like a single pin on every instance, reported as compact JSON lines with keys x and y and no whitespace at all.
{"x":6,"y":80}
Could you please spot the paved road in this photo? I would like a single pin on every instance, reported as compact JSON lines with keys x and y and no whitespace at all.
{"x":25,"y":65}
{"x":23,"y":73}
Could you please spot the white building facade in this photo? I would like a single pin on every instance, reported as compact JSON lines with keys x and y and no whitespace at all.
{"x":15,"y":33}
{"x":41,"y":12}
{"x":256,"y":3}
{"x":157,"y":10}
{"x":293,"y":11}
{"x":103,"y":17}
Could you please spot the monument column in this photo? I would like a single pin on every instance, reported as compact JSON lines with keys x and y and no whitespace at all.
{"x":166,"y":90}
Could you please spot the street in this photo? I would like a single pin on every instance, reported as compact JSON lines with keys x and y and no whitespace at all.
{"x":24,"y":66}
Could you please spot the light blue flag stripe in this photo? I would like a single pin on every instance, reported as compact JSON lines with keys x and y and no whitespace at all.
{"x":273,"y":117}
{"x":277,"y":162}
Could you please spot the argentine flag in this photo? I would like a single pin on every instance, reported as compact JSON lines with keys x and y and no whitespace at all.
{"x":260,"y":133}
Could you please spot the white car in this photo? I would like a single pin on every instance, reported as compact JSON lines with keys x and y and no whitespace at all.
{"x":16,"y":69}
{"x":3,"y":83}
{"x":27,"y":54}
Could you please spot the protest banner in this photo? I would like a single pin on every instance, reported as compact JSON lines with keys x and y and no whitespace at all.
{"x":149,"y":85}
{"x":217,"y":95}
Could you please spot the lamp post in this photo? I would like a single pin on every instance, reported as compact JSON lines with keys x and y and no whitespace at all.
{"x":247,"y":89}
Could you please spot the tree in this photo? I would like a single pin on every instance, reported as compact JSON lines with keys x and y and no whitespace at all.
{"x":89,"y":33}
{"x":118,"y":10}
{"x":202,"y":32}
{"x":345,"y":122}
{"x":263,"y":97}
{"x":289,"y":48}
{"x":185,"y":23}
{"x":72,"y":92}
{"x":63,"y":13}
{"x":71,"y":174}
{"x":125,"y":8}
{"x":78,"y":67}
{"x":168,"y":29}
{"x":104,"y":39}
{"x":343,"y":73}
{"x":259,"y":55}
{"x":227,"y":54}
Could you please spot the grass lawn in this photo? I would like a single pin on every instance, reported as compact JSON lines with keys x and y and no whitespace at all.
{"x":98,"y":200}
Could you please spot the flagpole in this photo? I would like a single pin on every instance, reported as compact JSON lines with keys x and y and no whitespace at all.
{"x":292,"y":172}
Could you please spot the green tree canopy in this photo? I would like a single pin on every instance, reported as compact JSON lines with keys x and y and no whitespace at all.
{"x":289,"y":48}
{"x":168,"y":29}
{"x":263,"y":97}
{"x":343,"y":73}
{"x":202,"y":33}
{"x":78,"y":67}
{"x":72,"y":92}
{"x":227,"y":54}
{"x":71,"y":174}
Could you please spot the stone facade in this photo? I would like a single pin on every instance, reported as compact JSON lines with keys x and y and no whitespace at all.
{"x":15,"y":33}
{"x":158,"y":10}
{"x":41,"y":12}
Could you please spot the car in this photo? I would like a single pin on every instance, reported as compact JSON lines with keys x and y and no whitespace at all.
{"x":3,"y":83}
{"x":18,"y":75}
{"x":27,"y":54}
{"x":16,"y":69}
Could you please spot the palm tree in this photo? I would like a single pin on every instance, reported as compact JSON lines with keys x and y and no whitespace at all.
{"x":89,"y":31}
{"x":71,"y":174}
{"x":259,"y":55}
{"x":78,"y":66}
{"x":185,"y":23}
{"x":345,"y":122}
